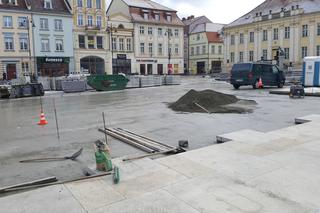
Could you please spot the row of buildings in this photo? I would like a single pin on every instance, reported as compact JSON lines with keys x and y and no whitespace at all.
{"x":57,"y":37}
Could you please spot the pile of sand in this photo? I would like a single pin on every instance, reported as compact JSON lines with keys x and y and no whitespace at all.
{"x":212,"y":101}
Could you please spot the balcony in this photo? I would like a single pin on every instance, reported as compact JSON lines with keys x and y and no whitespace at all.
{"x":92,"y":28}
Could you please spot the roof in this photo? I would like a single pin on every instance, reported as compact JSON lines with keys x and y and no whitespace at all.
{"x":191,"y":24}
{"x":58,"y":7}
{"x":147,"y":4}
{"x":207,"y":27}
{"x":214,"y":37}
{"x":309,"y":6}
{"x":20,"y":6}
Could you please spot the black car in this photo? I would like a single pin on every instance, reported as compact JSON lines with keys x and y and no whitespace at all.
{"x":244,"y":74}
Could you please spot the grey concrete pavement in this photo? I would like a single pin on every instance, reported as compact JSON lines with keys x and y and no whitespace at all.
{"x":143,"y":111}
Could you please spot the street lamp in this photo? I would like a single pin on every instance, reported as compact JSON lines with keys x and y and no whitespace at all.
{"x":29,"y":41}
{"x":169,"y":34}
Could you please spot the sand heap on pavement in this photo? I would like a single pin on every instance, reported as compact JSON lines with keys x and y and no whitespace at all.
{"x":212,"y":101}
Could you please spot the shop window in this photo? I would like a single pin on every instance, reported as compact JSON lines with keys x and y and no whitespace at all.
{"x":176,"y":68}
{"x":91,"y":42}
{"x":82,"y":41}
{"x":99,"y":42}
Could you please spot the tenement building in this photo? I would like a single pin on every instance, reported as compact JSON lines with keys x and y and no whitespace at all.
{"x":16,"y":40}
{"x":291,"y":28}
{"x":91,"y":41}
{"x":53,"y":41}
{"x":157,"y":35}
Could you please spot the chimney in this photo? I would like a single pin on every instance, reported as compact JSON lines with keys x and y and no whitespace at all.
{"x":184,"y":19}
{"x":192,"y":17}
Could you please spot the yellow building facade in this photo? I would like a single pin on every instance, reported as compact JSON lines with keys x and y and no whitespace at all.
{"x":273,"y":28}
{"x":16,"y":52}
{"x":91,"y":39}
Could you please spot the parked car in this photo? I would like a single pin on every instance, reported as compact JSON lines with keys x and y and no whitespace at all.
{"x":244,"y":74}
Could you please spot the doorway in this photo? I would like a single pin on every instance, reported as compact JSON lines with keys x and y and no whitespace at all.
{"x":149,"y":69}
{"x":160,"y":69}
{"x":142,"y":69}
{"x":11,"y":70}
{"x":201,"y":67}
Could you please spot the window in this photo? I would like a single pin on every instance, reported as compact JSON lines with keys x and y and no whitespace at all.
{"x":128,"y":44}
{"x":287,"y":32}
{"x":305,"y":30}
{"x":8,"y":42}
{"x":121,"y":44}
{"x":145,"y":16}
{"x":169,"y":18}
{"x":241,"y":38}
{"x":44,"y":24}
{"x":265,"y":35}
{"x":141,"y":29}
{"x":149,"y":30}
{"x":275,"y":34}
{"x":232,"y":57}
{"x":318,"y":29}
{"x":157,"y":17}
{"x":176,"y":49}
{"x":114,"y":43}
{"x":318,"y":50}
{"x":59,"y":45}
{"x":98,"y":4}
{"x":192,"y":50}
{"x":198,"y":37}
{"x":80,"y":20}
{"x":142,"y":48}
{"x":79,"y":3}
{"x":213,"y":49}
{"x":14,"y":2}
{"x":91,"y":42}
{"x":286,"y":53}
{"x":265,"y":54}
{"x":90,"y":21}
{"x":58,"y":25}
{"x":220,"y":50}
{"x":25,"y":67}
{"x":160,"y":31}
{"x":47,"y":4}
{"x":99,"y":42}
{"x":22,"y":22}
{"x":82,"y":41}
{"x":176,"y":33}
{"x":240,"y":56}
{"x":45,"y":47}
{"x":232,"y":40}
{"x":7,"y":21}
{"x":251,"y":37}
{"x":203,"y":49}
{"x":150,"y":48}
{"x":198,"y":50}
{"x":89,"y":3}
{"x":251,"y":55}
{"x":24,"y":42}
{"x":304,"y":52}
{"x":99,"y":21}
{"x":160,"y":49}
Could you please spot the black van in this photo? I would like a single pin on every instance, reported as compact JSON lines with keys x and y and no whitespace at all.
{"x":244,"y":74}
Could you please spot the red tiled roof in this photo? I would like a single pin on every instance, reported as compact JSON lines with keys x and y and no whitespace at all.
{"x":58,"y":7}
{"x":21,"y":5}
{"x":214,"y":37}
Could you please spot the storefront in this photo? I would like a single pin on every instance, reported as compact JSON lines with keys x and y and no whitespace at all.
{"x":121,"y":64}
{"x":53,"y":66}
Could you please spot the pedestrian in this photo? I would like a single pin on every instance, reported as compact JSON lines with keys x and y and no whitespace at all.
{"x":4,"y":76}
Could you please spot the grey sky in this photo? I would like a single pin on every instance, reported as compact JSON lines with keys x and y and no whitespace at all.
{"x":219,"y":11}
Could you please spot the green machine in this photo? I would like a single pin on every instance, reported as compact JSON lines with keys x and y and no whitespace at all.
{"x":107,"y":82}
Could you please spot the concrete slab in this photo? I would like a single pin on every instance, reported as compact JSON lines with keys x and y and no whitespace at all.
{"x":52,"y":199}
{"x":158,"y":201}
{"x":92,"y":194}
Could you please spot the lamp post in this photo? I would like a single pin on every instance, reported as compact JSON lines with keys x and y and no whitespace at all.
{"x":169,"y":34}
{"x":30,"y":21}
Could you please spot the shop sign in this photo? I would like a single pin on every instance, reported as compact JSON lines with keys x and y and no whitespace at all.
{"x":53,"y":60}
{"x":147,"y":60}
{"x":121,"y":56}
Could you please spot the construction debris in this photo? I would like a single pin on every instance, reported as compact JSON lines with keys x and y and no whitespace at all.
{"x":209,"y":101}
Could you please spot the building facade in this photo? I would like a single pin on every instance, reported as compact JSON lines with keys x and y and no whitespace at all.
{"x":53,"y":40}
{"x":157,"y":36}
{"x":206,"y":49}
{"x":91,"y":39}
{"x":16,"y":51}
{"x":274,"y":28}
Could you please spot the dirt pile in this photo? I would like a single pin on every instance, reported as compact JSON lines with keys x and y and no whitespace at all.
{"x":210,"y":101}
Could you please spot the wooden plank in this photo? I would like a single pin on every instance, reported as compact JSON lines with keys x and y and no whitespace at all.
{"x":26,"y":184}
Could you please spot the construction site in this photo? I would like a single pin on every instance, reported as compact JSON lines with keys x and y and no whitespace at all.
{"x":200,"y":146}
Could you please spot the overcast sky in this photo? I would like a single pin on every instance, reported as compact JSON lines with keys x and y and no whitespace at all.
{"x":219,"y":11}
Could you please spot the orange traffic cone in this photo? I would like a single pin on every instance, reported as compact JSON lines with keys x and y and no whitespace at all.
{"x":260,"y":83}
{"x":43,"y":120}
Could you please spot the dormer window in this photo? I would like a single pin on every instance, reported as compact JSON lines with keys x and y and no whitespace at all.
{"x":145,"y":14}
{"x":169,"y":18}
{"x":47,"y":4}
{"x":157,"y":16}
